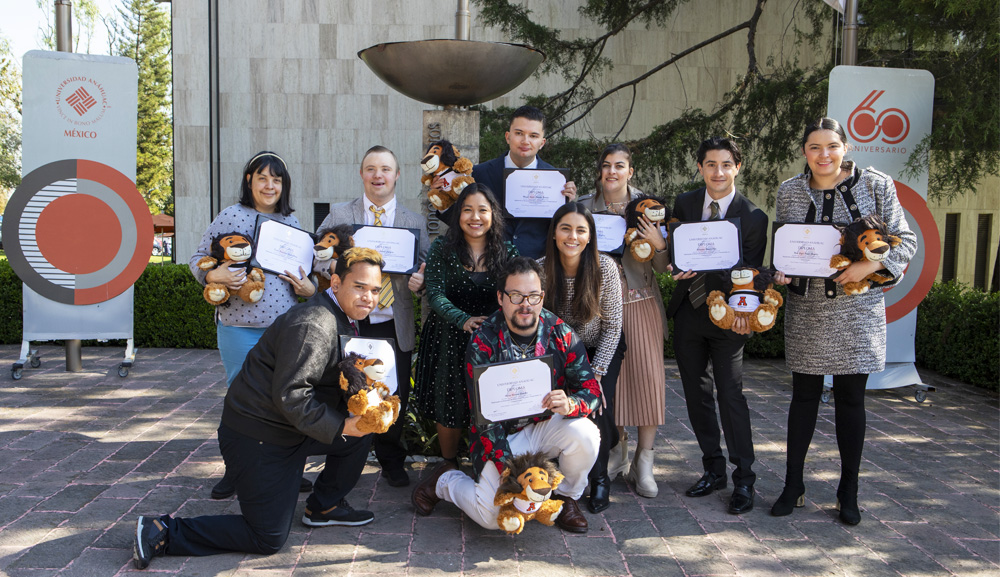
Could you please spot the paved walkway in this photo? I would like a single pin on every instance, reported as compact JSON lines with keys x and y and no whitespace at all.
{"x":82,"y":454}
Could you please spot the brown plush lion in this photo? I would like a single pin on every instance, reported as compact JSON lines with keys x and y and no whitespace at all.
{"x":866,"y":238}
{"x":233,"y":250}
{"x":443,"y":159}
{"x":751,"y":297}
{"x":527,"y":485}
{"x":653,"y":208}
{"x":368,"y":396}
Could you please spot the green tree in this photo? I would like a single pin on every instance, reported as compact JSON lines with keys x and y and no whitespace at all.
{"x":142,"y":32}
{"x":10,"y":122}
{"x":85,"y":16}
{"x":944,"y":36}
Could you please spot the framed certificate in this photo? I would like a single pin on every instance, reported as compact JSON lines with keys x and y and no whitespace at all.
{"x":279,"y":247}
{"x":511,"y":390}
{"x":534,"y":193}
{"x":610,"y":233}
{"x":398,"y":246}
{"x":369,"y":348}
{"x":710,"y":245}
{"x":804,"y":249}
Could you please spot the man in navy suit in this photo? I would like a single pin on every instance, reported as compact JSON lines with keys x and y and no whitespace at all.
{"x":697,"y":340}
{"x":525,"y":138}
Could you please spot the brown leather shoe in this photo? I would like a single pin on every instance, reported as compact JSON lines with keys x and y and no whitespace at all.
{"x":424,"y":496}
{"x":571,"y":519}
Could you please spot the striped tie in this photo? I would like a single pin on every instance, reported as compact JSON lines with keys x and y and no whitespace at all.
{"x":385,"y":298}
{"x":697,"y":292}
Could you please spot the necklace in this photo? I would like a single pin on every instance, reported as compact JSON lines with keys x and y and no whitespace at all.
{"x":523,"y":349}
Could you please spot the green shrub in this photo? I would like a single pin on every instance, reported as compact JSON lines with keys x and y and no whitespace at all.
{"x":10,"y":305}
{"x":170,"y":311}
{"x":958,"y":334}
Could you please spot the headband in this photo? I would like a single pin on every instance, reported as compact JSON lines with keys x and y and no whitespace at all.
{"x":285,"y":166}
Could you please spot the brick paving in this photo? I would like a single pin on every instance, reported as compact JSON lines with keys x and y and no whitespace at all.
{"x":81,"y":455}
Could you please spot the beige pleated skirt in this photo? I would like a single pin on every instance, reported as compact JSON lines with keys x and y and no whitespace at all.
{"x":640,"y":398}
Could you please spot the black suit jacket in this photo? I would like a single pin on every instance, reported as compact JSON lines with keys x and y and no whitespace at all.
{"x":527,"y":234}
{"x":753,"y":225}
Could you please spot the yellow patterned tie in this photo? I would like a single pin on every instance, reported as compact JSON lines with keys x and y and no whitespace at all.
{"x":385,"y":297}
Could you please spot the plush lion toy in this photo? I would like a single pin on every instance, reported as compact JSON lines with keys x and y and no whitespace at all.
{"x":233,"y":250}
{"x":653,"y":208}
{"x":526,"y":487}
{"x":368,"y":396}
{"x":443,"y":159}
{"x":333,"y":241}
{"x":751,"y":297}
{"x":866,"y":238}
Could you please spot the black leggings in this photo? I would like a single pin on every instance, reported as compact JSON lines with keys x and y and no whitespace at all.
{"x":606,"y":420}
{"x":849,"y":407}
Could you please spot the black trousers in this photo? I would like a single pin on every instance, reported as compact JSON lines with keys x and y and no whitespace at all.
{"x":606,"y":420}
{"x":267,"y":486}
{"x":696,"y":342}
{"x":389,"y":449}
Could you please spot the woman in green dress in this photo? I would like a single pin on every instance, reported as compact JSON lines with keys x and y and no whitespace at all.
{"x":461,"y":273}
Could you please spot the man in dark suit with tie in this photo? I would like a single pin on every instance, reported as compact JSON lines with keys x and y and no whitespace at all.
{"x":525,"y":138}
{"x":393,"y":317}
{"x":697,"y":340}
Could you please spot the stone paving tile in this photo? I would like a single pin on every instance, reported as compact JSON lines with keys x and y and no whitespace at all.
{"x":81,"y":455}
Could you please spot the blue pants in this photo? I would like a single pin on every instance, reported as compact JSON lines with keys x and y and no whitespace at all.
{"x":234,"y":344}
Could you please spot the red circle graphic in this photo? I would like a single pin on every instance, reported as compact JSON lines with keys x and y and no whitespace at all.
{"x":69,"y":220}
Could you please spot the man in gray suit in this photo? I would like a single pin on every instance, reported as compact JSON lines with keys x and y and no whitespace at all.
{"x":393,"y":317}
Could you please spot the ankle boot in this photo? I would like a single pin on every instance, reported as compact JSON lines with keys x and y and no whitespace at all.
{"x":600,"y":493}
{"x":847,"y":502}
{"x":791,"y":497}
{"x":641,"y":474}
{"x":618,"y":459}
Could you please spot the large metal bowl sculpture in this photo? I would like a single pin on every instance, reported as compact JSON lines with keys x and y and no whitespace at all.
{"x":452,"y":72}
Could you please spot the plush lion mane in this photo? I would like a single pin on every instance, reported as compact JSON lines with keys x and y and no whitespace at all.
{"x":851,"y":232}
{"x":521,"y":463}
{"x":344,"y":232}
{"x":218,"y":252}
{"x":632,"y":215}
{"x":448,"y":156}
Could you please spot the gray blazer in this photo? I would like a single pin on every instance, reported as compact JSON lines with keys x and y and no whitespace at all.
{"x":353,"y":212}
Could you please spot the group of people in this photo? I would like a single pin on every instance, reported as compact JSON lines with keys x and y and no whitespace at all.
{"x":501,"y":288}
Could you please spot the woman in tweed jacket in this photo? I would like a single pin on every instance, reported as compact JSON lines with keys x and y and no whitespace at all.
{"x":828,"y":332}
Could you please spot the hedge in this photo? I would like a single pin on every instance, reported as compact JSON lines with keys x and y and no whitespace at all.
{"x":958,"y":328}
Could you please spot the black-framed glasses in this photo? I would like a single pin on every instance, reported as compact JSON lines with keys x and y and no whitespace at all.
{"x":518,"y":298}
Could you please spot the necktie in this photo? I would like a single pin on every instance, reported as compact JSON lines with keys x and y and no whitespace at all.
{"x":697,"y":292}
{"x":385,"y":297}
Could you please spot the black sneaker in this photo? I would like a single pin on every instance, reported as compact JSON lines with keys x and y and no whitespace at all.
{"x":150,"y":540}
{"x":339,"y":514}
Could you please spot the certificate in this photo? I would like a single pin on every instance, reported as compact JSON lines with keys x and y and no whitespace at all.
{"x":280,"y":247}
{"x":804,"y":250}
{"x":398,"y":246}
{"x":369,"y":348}
{"x":610,"y":233}
{"x":534,"y":193}
{"x":710,"y":245}
{"x":511,"y":390}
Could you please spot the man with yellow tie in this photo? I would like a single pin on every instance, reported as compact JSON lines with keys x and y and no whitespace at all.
{"x":393,"y":317}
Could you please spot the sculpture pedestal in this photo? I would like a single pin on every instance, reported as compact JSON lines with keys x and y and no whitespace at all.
{"x":461,"y":128}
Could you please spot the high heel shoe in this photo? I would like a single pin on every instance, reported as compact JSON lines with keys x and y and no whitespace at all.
{"x":618,"y":462}
{"x":600,"y":494}
{"x":790,"y":499}
{"x":847,"y":504}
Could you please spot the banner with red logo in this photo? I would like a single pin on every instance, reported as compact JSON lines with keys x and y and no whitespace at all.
{"x":886,"y":112}
{"x":76,"y":231}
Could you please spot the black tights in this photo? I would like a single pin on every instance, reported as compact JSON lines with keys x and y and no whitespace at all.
{"x":849,"y":407}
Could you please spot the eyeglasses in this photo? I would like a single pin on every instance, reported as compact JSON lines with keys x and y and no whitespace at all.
{"x":518,"y":298}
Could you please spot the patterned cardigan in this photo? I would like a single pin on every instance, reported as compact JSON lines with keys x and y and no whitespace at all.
{"x":571,"y":371}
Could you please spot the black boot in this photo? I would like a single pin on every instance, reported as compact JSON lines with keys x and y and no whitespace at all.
{"x":600,"y":493}
{"x":847,"y":501}
{"x":791,"y":497}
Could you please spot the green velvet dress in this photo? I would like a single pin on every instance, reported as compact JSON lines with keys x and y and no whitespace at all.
{"x":455,"y":294}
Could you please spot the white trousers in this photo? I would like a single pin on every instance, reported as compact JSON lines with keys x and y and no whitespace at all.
{"x":574,"y":441}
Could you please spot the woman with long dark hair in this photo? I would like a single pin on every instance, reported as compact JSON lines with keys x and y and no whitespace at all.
{"x":827,"y":331}
{"x":640,"y":401}
{"x":583,"y":287}
{"x":461,"y":273}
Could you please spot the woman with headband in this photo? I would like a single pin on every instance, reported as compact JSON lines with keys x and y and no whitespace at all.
{"x":265,"y":189}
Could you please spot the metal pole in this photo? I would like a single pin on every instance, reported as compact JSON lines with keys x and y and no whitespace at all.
{"x":64,"y":43}
{"x":462,"y":20}
{"x":64,"y":25}
{"x":849,"y":56}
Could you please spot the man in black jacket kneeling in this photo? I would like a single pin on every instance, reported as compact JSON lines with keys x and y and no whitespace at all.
{"x":285,"y":405}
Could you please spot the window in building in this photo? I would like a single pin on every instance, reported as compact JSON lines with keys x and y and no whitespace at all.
{"x":320,"y":212}
{"x":983,"y":235}
{"x":950,"y":257}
